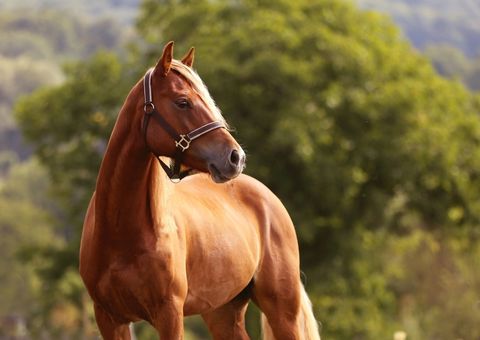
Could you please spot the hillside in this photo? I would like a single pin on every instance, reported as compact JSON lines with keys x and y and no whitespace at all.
{"x":427,"y":22}
{"x":424,"y":22}
{"x":34,"y":45}
{"x":122,"y":10}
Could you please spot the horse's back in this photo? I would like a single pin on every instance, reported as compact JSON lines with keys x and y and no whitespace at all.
{"x":244,"y":202}
{"x":243,"y":206}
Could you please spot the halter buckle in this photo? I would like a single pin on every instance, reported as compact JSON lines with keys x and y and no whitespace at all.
{"x":148,"y":108}
{"x":183,"y":143}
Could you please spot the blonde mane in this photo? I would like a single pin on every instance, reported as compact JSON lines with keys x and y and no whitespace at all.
{"x":199,"y":87}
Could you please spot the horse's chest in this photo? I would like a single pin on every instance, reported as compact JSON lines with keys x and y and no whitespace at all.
{"x":131,"y":290}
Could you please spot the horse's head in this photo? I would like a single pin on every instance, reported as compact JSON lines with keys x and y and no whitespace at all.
{"x":181,"y":120}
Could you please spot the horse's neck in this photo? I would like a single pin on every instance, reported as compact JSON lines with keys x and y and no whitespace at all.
{"x":131,"y":192}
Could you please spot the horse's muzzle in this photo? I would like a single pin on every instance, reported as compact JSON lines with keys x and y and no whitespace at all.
{"x":227,"y":167}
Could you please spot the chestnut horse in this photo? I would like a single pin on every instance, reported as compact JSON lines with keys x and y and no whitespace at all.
{"x":156,"y":250}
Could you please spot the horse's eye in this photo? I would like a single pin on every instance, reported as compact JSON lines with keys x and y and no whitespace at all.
{"x":183,"y":104}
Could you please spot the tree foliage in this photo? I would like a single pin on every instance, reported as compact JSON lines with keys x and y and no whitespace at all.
{"x":376,"y":157}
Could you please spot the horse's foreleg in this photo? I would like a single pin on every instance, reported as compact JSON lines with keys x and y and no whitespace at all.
{"x":169,"y":321}
{"x":276,"y":292}
{"x":281,"y":306}
{"x":228,"y":321}
{"x":109,"y":328}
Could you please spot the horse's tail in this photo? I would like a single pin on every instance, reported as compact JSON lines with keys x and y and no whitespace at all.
{"x":131,"y":327}
{"x":307,"y":323}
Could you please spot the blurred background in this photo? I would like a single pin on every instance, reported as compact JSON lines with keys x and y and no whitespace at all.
{"x":363,"y":117}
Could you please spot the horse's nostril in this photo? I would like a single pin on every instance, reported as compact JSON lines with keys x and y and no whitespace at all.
{"x":234,"y":157}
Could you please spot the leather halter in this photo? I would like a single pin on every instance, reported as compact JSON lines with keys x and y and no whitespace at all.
{"x":182,"y":141}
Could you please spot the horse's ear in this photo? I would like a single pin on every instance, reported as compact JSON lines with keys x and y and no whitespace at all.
{"x":189,"y":57}
{"x":163,"y":65}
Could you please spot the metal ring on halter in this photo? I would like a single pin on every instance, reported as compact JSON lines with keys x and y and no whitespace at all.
{"x":183,"y":143}
{"x":175,"y":179}
{"x":148,"y":105}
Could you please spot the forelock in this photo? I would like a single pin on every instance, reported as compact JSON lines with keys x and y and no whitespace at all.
{"x":199,"y":87}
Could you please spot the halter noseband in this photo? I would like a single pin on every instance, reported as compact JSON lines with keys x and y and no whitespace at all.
{"x":182,"y":141}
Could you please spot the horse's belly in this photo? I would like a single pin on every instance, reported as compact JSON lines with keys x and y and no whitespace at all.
{"x":220,"y":271}
{"x":213,"y":293}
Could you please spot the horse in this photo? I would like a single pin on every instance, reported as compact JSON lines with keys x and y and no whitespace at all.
{"x":156,"y":248}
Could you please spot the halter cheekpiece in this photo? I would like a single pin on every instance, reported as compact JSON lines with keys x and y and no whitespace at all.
{"x":182,"y":141}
